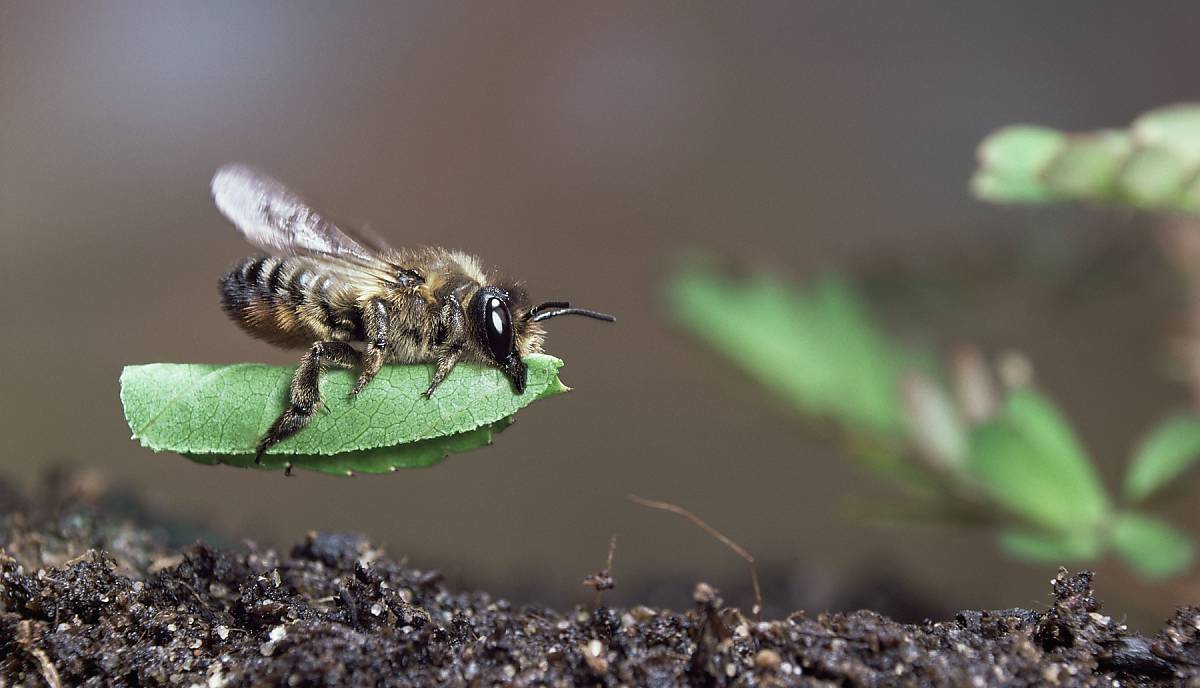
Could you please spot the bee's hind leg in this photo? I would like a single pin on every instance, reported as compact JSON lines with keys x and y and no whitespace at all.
{"x":304,"y":394}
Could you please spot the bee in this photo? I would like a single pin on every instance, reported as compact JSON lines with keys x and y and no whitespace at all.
{"x":359,"y":304}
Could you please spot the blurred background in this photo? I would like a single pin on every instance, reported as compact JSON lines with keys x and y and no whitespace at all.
{"x":585,"y":149}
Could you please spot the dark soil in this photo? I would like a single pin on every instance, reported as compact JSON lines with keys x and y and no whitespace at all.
{"x":91,"y":596}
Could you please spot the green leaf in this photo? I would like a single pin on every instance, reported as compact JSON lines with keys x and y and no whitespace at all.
{"x":419,"y":454}
{"x":1036,"y":417}
{"x":1153,"y":176}
{"x":1154,"y":548}
{"x":1164,"y":455}
{"x":1011,"y":162}
{"x":867,"y":382}
{"x":1174,"y":126}
{"x":1088,"y":166}
{"x":1045,"y":547}
{"x":210,"y":409}
{"x":1031,"y":463}
{"x":818,"y":347}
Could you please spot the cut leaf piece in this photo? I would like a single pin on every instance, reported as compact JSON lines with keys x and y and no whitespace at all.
{"x":1167,"y":452}
{"x":1044,"y":547}
{"x":210,"y":409}
{"x":419,"y":454}
{"x":1153,"y":547}
{"x":1030,"y":461}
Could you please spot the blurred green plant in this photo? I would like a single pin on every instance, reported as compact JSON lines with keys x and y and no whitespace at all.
{"x":1001,"y":453}
{"x":843,"y":369}
{"x":216,"y":414}
{"x":1152,"y":165}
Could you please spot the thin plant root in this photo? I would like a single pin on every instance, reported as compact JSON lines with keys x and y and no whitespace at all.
{"x":737,"y":549}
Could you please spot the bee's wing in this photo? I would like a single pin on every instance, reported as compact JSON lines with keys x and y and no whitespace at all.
{"x":278,"y":221}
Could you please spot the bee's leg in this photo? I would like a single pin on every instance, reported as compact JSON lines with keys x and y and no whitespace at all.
{"x":375,"y":327}
{"x":451,"y":346}
{"x":304,"y":393}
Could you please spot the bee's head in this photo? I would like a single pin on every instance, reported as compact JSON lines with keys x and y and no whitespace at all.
{"x":506,"y":326}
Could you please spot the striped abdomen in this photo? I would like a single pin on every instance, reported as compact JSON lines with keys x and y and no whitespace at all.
{"x":289,"y":302}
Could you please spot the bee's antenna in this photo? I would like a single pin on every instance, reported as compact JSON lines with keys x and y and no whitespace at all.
{"x":546,"y":304}
{"x":564,"y":308}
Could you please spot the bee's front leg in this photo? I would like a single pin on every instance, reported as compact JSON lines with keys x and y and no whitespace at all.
{"x":304,"y":393}
{"x":451,"y":347}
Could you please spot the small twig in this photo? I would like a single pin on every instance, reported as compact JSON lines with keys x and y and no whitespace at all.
{"x":737,"y":549}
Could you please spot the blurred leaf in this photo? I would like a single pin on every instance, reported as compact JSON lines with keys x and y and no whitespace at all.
{"x":1153,"y":177}
{"x":1173,"y":126}
{"x":1152,"y":547}
{"x":1029,"y":460}
{"x":1169,"y":450}
{"x":419,"y":454}
{"x":1088,"y":166}
{"x":1043,"y":547}
{"x":817,"y":348}
{"x":867,"y":381}
{"x":209,"y":409}
{"x":1154,"y":165}
{"x":1011,"y":161}
{"x":1037,"y":418}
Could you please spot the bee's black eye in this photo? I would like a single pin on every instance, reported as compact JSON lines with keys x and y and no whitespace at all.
{"x":497,"y":323}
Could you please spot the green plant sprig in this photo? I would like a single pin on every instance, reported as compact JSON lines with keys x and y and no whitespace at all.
{"x":1011,"y":457}
{"x":1152,"y":165}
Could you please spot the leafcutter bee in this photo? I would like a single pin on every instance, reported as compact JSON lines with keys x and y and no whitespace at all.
{"x":358,"y":304}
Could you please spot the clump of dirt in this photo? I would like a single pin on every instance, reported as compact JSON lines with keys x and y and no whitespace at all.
{"x":89,"y":598}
